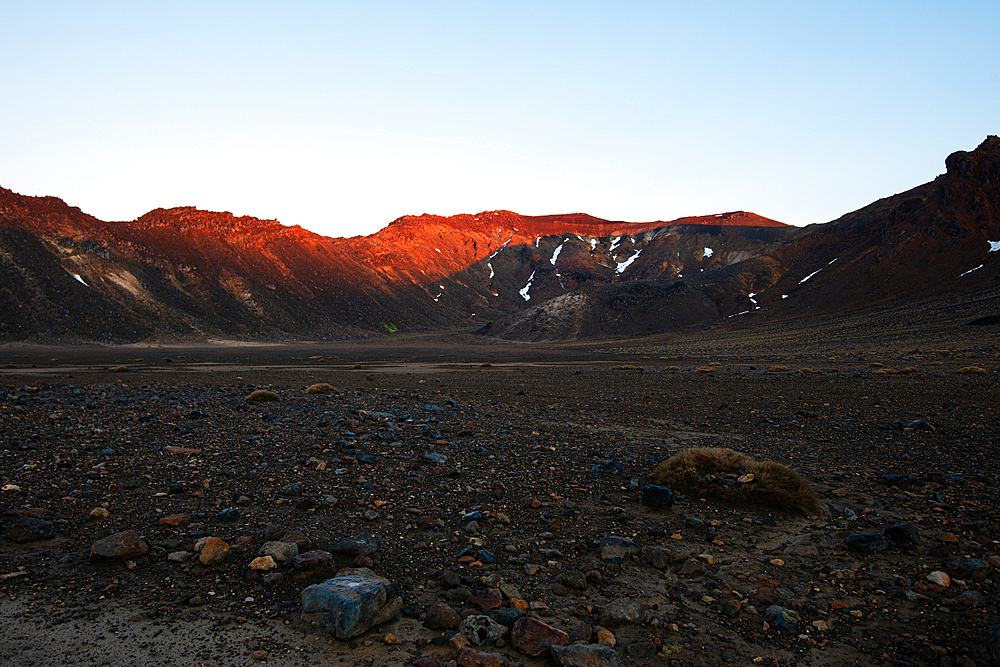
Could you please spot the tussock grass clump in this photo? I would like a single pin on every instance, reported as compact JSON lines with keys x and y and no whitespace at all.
{"x":263,"y":396}
{"x":876,"y":364}
{"x":976,"y":370}
{"x":715,"y":363}
{"x":704,"y":369}
{"x":627,"y":367}
{"x":486,"y":365}
{"x":673,"y":368}
{"x":321,"y":388}
{"x":118,"y":369}
{"x":778,"y":369}
{"x":805,"y":370}
{"x":884,"y":371}
{"x":716,"y":473}
{"x":909,"y":369}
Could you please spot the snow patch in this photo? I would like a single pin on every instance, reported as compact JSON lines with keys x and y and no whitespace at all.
{"x":784,"y":296}
{"x":624,"y":265}
{"x":810,"y":276}
{"x":558,"y":249}
{"x":708,"y":252}
{"x":614,"y":244}
{"x":593,"y":244}
{"x":738,"y":314}
{"x":751,"y":296}
{"x":438,"y":249}
{"x":832,"y":261}
{"x":971,"y":270}
{"x":490,"y":267}
{"x":994,"y":246}
{"x":524,"y":292}
{"x":80,"y":280}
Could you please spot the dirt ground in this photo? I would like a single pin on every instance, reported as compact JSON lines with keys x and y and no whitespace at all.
{"x":542,"y":452}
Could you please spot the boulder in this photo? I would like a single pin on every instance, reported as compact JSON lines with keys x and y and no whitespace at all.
{"x":350,"y":603}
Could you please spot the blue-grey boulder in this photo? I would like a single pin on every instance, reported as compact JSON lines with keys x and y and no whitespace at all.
{"x":350,"y":603}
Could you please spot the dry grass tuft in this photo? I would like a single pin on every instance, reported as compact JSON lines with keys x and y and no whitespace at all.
{"x":805,"y":370}
{"x":713,"y":473}
{"x":715,"y":363}
{"x":263,"y":396}
{"x":977,"y":370}
{"x":704,"y":369}
{"x":627,"y":367}
{"x":909,"y":369}
{"x":118,"y":369}
{"x":884,"y":371}
{"x":876,"y":364}
{"x":486,"y":365}
{"x":673,"y":368}
{"x":321,"y":388}
{"x":778,"y":369}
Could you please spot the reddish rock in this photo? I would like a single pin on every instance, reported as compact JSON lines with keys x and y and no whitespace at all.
{"x":472,"y":658}
{"x":442,"y":617}
{"x":485,"y":601}
{"x":174,"y":520}
{"x":298,"y":538}
{"x":533,"y":637}
{"x":127,"y":544}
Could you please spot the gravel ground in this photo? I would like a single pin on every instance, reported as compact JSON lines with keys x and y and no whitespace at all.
{"x":531,"y":455}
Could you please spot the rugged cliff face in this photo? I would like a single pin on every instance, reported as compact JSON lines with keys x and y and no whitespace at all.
{"x":192,"y":273}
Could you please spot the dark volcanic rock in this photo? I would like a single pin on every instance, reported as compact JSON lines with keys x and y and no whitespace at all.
{"x":868,"y":543}
{"x":26,"y":529}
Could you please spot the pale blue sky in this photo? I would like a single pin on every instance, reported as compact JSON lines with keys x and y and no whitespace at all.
{"x":341,"y":117}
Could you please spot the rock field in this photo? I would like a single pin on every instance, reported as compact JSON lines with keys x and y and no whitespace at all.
{"x":491,"y":509}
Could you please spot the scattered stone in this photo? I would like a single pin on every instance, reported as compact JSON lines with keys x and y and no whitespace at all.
{"x":362,"y":543}
{"x":574,"y":579}
{"x":659,"y":557}
{"x":783,"y":619}
{"x":617,"y":549}
{"x":311,"y":564}
{"x":174,"y":520}
{"x":481,"y":630}
{"x":940,"y":578}
{"x":263,"y":563}
{"x":868,"y":543}
{"x":98,"y":513}
{"x":657,"y":496}
{"x":623,"y":611}
{"x":280,"y":551}
{"x":586,"y":655}
{"x":120,"y":546}
{"x":507,"y":617}
{"x":442,"y":617}
{"x":22,"y":530}
{"x":903,"y":533}
{"x":212,"y":550}
{"x":533,"y":637}
{"x":350,"y":603}
{"x":470,"y":657}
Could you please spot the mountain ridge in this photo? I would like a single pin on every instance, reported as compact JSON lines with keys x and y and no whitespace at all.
{"x":184,"y":272}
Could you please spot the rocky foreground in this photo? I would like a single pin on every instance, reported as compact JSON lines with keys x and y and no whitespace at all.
{"x":492,"y":513}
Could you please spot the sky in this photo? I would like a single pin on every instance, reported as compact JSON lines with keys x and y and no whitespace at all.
{"x":341,"y":117}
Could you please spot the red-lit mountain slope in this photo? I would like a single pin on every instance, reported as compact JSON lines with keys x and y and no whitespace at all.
{"x":191,"y":272}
